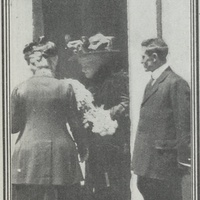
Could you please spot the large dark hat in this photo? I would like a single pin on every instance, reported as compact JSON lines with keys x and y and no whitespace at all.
{"x":97,"y":45}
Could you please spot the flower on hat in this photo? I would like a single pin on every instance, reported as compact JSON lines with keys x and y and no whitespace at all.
{"x":41,"y":48}
{"x":96,"y":43}
{"x":76,"y":45}
{"x":100,"y":42}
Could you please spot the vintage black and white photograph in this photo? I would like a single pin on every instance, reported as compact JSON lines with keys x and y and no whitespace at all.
{"x":100,"y":100}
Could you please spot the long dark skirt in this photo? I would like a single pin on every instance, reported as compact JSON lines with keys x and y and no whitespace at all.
{"x":108,"y":175}
{"x":41,"y":192}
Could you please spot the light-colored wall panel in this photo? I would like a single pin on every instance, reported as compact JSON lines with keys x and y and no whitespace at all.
{"x":176,"y":33}
{"x":141,"y":26}
{"x":21,"y":34}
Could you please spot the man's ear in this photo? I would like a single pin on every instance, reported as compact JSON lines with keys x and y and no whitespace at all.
{"x":155,"y":57}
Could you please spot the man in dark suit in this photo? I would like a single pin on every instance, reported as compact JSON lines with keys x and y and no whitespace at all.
{"x":161,"y":152}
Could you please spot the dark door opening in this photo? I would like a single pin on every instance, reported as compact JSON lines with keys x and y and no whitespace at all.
{"x":84,"y":17}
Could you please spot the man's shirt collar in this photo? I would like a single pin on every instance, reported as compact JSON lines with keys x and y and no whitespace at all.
{"x":156,"y":73}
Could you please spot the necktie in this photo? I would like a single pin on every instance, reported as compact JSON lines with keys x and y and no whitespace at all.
{"x":149,"y":85}
{"x":151,"y":81}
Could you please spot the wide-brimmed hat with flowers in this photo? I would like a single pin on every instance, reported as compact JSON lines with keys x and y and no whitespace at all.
{"x":97,"y":45}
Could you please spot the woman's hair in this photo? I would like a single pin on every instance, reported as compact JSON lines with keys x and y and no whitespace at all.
{"x":43,"y":49}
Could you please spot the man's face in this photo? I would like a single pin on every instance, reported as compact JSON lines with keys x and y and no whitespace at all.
{"x":147,"y":61}
{"x":90,"y":66}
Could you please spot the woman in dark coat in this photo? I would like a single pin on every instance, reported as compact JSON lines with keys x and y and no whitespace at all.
{"x":108,"y":166}
{"x":45,"y":162}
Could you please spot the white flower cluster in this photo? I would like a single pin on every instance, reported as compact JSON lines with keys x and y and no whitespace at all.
{"x":100,"y":118}
{"x":83,"y":96}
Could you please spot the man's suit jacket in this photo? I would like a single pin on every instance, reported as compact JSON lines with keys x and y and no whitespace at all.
{"x":163,"y":134}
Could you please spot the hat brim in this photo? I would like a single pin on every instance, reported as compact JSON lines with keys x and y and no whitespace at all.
{"x":103,"y":54}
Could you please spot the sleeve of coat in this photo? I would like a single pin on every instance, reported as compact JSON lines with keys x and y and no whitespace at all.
{"x":16,"y":112}
{"x":180,"y":98}
{"x":121,"y":85}
{"x":120,"y":111}
{"x":76,"y":123}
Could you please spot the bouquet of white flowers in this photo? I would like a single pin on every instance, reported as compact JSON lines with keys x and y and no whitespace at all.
{"x":99,"y":118}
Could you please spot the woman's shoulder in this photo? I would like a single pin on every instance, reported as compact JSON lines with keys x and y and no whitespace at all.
{"x":20,"y":88}
{"x":65,"y":83}
{"x":71,"y":83}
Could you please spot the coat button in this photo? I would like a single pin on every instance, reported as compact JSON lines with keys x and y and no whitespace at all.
{"x":19,"y":170}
